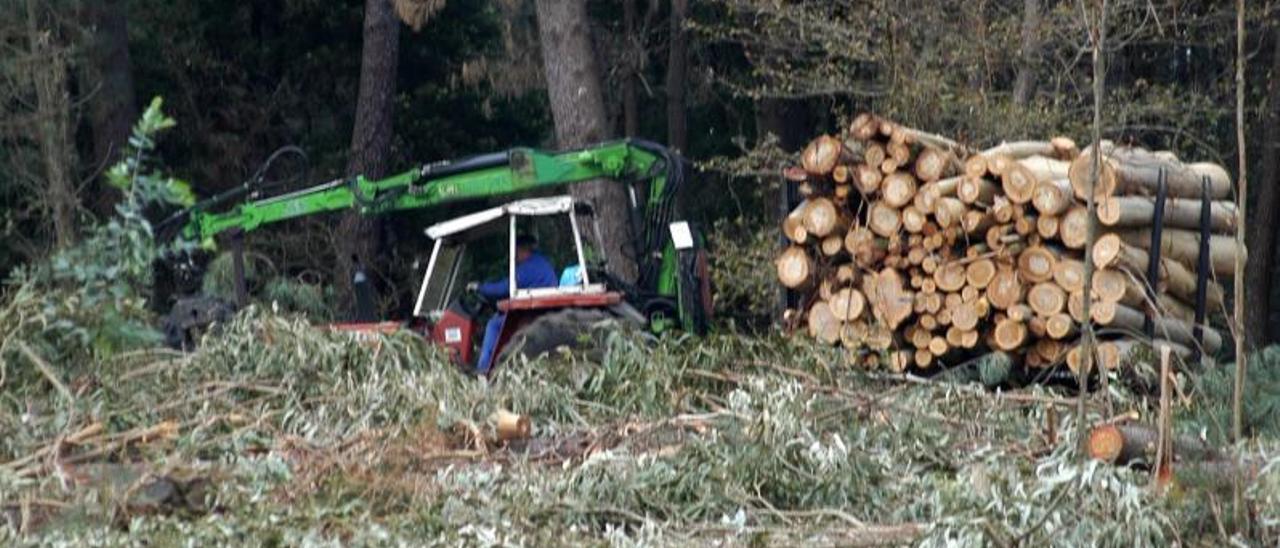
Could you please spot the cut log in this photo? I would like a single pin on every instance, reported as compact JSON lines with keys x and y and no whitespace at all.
{"x":1138,"y":173}
{"x":823,"y":154}
{"x":1047,"y":298}
{"x":1020,"y":149}
{"x":1004,"y":290}
{"x":1001,"y":209}
{"x":979,"y":273}
{"x":1037,"y":264}
{"x":1009,"y":334}
{"x":867,"y":178}
{"x":823,"y":325}
{"x":933,"y":164}
{"x":1064,"y":148}
{"x":511,"y":426}
{"x":864,"y":126}
{"x":853,"y":334}
{"x":884,"y":220}
{"x":1139,"y":211}
{"x":1168,"y":328}
{"x":832,"y":245}
{"x":1047,"y":227}
{"x":948,"y":212}
{"x":1045,"y":169}
{"x":866,"y":249}
{"x":1184,"y":246}
{"x":1019,"y":183}
{"x":1019,"y":313}
{"x":975,"y":166}
{"x":1052,"y":196}
{"x":976,"y":222}
{"x":965,"y":316}
{"x":890,"y":302}
{"x":923,"y":358}
{"x":913,"y":220}
{"x":1132,"y":444}
{"x":898,"y":189}
{"x":1069,"y":275}
{"x":1060,"y":326}
{"x":822,"y":217}
{"x":997,"y":164}
{"x":846,"y":304}
{"x":900,"y":360}
{"x":899,"y":152}
{"x":938,"y":346}
{"x":1110,"y":285}
{"x":1111,"y":251}
{"x":976,"y":190}
{"x":1074,"y":227}
{"x":793,"y":225}
{"x":950,"y":276}
{"x":795,"y":268}
{"x":1081,"y":176}
{"x":841,"y":174}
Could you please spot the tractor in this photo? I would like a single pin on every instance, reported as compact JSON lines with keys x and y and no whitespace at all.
{"x":672,"y":289}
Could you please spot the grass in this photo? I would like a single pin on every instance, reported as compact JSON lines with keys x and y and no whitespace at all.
{"x":283,"y":434}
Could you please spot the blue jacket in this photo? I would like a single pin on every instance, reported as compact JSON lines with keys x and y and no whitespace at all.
{"x":536,"y":271}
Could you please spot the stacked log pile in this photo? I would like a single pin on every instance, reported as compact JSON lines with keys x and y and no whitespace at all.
{"x":920,"y":252}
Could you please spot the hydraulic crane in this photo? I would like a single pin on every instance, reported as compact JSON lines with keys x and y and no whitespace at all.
{"x":672,"y":288}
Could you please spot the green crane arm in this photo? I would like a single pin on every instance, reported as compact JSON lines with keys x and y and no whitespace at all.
{"x":487,"y":176}
{"x":664,"y":278}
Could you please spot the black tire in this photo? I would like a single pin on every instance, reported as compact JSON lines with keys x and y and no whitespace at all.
{"x":190,"y":317}
{"x":578,"y":329}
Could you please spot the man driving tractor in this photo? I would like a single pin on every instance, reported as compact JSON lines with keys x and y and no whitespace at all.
{"x":533,"y":270}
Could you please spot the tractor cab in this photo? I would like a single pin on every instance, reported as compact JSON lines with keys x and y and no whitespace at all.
{"x":453,"y":315}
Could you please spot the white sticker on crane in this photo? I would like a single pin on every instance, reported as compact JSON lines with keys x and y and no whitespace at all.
{"x":681,"y":235}
{"x":452,"y":335}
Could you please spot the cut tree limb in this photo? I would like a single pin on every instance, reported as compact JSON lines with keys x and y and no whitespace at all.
{"x":1178,"y":331}
{"x":795,"y":267}
{"x":1184,"y":246}
{"x":1139,"y":211}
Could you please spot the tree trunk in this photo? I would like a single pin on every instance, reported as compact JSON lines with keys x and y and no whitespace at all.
{"x":1024,"y":84}
{"x":112,"y":106}
{"x":630,"y":84}
{"x":577,"y":105}
{"x":677,"y":117}
{"x":53,"y":126}
{"x":1260,"y":324}
{"x":358,"y":236}
{"x":786,"y":121}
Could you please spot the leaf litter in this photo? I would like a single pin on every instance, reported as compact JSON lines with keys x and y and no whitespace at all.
{"x":278,"y":432}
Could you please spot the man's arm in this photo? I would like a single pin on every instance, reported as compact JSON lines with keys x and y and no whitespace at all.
{"x":496,"y":289}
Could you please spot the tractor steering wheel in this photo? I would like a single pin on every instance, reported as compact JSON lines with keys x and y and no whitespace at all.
{"x":474,"y":304}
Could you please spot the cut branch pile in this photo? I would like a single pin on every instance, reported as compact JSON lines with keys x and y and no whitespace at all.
{"x":914,"y":252}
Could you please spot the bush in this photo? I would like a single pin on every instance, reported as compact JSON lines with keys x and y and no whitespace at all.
{"x":91,"y":298}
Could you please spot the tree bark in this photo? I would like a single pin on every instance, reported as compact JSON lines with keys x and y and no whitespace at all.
{"x":630,"y":84}
{"x":677,"y":117}
{"x":1261,"y":324}
{"x":53,"y":126}
{"x":577,"y":105}
{"x":1024,"y":83}
{"x":358,"y":236}
{"x":786,"y":121}
{"x":112,"y":106}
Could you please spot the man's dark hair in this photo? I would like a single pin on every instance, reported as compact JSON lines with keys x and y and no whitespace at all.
{"x":526,"y":241}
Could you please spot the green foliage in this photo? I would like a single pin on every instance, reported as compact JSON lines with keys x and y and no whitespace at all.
{"x":1211,"y":411}
{"x":741,"y":271}
{"x":91,"y":298}
{"x":311,"y":437}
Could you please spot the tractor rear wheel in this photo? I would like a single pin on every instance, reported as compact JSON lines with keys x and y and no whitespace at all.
{"x":190,"y":317}
{"x":579,"y":329}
